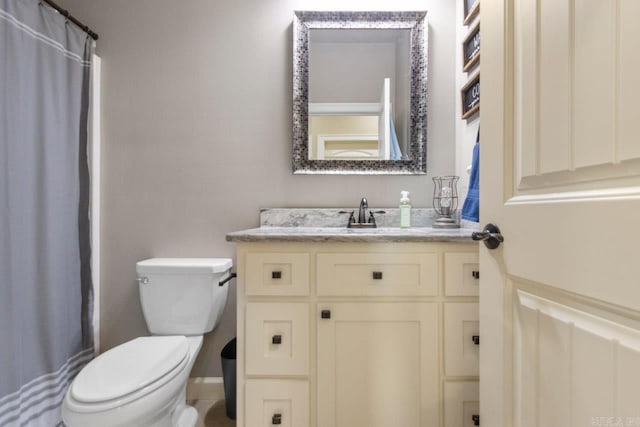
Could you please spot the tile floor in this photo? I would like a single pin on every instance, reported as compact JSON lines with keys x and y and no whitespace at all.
{"x":212,"y":414}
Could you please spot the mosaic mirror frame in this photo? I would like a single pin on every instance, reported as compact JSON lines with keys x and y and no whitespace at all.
{"x":416,"y":22}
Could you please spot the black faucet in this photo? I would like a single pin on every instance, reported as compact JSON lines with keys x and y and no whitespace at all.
{"x":362,"y":212}
{"x":363,"y":221}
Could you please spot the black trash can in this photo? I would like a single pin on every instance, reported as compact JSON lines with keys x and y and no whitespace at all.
{"x":228,"y":356}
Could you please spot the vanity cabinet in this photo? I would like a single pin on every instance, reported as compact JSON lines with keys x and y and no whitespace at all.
{"x":357,"y":334}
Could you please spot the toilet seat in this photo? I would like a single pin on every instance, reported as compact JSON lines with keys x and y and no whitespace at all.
{"x":129,"y":371}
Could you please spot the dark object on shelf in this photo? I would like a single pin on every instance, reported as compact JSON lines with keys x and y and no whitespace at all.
{"x":228,"y":356}
{"x":471,"y":10}
{"x":471,"y":49}
{"x":470,"y":93}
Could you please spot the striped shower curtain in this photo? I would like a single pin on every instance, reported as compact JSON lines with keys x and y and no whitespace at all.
{"x":45,"y":278}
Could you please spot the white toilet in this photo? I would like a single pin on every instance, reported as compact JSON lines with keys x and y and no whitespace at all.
{"x":143,"y":382}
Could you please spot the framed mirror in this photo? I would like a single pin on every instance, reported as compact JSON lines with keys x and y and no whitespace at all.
{"x":360,"y":92}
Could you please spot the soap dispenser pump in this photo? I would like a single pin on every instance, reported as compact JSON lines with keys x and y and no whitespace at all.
{"x":405,"y":210}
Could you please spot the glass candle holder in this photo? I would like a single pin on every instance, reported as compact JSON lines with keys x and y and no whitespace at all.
{"x":445,"y":201}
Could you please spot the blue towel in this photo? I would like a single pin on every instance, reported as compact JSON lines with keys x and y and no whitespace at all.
{"x":471,"y":207}
{"x":395,"y":153}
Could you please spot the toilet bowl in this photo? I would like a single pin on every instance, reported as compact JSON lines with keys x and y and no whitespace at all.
{"x":139,"y":383}
{"x":142,"y":382}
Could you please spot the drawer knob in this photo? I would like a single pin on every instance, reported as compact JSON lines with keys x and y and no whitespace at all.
{"x":325,"y":314}
{"x":276,"y":339}
{"x":475,"y":274}
{"x":476,"y":420}
{"x":276,"y":274}
{"x":276,"y":419}
{"x":476,"y":339}
{"x":377,"y":275}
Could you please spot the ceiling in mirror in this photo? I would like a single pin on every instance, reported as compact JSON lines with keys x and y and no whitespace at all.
{"x":360,"y":92}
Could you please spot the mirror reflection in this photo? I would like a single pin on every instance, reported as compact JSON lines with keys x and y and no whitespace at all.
{"x":359,"y":94}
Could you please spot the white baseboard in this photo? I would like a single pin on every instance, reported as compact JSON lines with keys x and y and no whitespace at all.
{"x":205,"y":388}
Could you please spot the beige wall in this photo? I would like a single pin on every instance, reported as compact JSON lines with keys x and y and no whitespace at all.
{"x":197,"y":135}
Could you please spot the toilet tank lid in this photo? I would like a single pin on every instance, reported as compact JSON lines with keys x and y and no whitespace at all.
{"x":183,"y":265}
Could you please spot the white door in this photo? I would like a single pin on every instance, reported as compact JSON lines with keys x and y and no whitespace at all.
{"x":384,"y":121}
{"x":560,"y":175}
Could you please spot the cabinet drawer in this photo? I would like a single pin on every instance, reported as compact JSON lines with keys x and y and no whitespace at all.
{"x":460,"y":326}
{"x":377,"y":274}
{"x":270,"y":273}
{"x":277,"y":339}
{"x":276,"y":402}
{"x":461,"y":404}
{"x":461,"y":274}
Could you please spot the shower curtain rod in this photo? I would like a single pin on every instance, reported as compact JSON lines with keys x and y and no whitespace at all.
{"x":71,"y":18}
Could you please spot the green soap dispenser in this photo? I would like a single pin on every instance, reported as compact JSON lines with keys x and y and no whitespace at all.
{"x":405,"y":210}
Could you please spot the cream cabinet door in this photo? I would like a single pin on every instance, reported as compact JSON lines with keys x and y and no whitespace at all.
{"x":377,"y":364}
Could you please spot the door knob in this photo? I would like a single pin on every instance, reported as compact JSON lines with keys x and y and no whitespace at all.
{"x":490,"y":235}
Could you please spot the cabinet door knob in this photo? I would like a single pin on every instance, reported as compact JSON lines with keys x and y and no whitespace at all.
{"x":476,"y":339}
{"x":325,"y":314}
{"x":276,"y":274}
{"x":377,"y":275}
{"x":475,"y":274}
{"x":476,"y":420}
{"x":276,"y":419}
{"x":276,"y":339}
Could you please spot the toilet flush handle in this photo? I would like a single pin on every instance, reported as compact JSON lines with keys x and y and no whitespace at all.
{"x":143,"y":280}
{"x":228,"y":279}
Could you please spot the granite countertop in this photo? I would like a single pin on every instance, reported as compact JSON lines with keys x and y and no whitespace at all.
{"x":325,"y":225}
{"x":335,"y":234}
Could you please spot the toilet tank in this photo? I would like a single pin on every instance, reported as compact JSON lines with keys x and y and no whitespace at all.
{"x":182,"y":296}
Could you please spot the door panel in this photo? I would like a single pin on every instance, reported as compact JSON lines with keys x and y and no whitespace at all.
{"x":574,"y":92}
{"x":559,"y":300}
{"x":568,"y":369}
